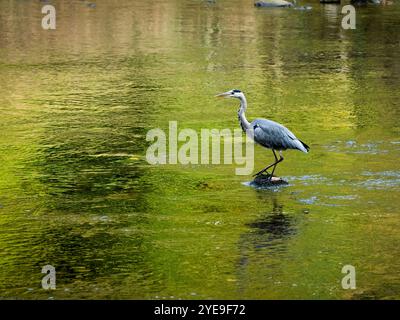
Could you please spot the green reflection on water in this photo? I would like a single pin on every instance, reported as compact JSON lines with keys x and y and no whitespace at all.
{"x":77,"y":193}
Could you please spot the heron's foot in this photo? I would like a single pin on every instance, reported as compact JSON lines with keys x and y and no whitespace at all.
{"x":264,"y":177}
{"x":269,"y":177}
{"x":262,"y":174}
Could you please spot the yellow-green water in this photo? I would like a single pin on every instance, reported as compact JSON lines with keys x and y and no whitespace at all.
{"x":76,"y":191}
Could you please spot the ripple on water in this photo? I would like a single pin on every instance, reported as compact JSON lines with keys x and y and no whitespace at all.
{"x":326,"y":200}
{"x":344,"y":197}
{"x":353,"y":147}
{"x":382,"y":180}
{"x":309,"y":179}
{"x":310,"y":200}
{"x":382,"y":173}
{"x":380,"y":183}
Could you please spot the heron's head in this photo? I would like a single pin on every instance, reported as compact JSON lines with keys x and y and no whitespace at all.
{"x":234,"y":93}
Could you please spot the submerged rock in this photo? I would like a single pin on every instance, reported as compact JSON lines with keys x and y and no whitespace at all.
{"x":329,"y":1}
{"x":266,"y":181}
{"x":303,"y":8}
{"x":364,"y":2}
{"x":274,"y":4}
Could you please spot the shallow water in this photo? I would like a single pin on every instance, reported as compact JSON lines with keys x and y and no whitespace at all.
{"x":76,"y":191}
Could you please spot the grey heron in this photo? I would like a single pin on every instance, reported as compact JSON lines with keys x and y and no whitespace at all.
{"x":267,"y":133}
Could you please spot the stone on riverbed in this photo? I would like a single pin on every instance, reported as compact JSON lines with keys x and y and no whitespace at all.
{"x":266,"y":181}
{"x":274,"y":4}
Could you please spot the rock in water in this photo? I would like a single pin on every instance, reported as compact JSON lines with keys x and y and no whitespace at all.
{"x":274,"y":4}
{"x":303,"y":8}
{"x":365,"y":2}
{"x":329,"y":1}
{"x":265,"y":181}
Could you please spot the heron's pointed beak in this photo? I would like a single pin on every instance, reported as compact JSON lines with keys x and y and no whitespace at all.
{"x":223,"y":95}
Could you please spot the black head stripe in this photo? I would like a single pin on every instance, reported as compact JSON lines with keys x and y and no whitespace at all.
{"x":236,"y":90}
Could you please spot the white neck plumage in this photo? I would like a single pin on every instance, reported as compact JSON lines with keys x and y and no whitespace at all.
{"x":242,"y":117}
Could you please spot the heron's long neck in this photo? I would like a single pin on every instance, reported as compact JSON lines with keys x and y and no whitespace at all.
{"x":242,"y":117}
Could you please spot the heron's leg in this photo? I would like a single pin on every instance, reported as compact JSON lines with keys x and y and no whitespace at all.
{"x":280,"y":160}
{"x":271,"y":165}
{"x":276,"y":163}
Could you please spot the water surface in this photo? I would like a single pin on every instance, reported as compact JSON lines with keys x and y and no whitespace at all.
{"x":76,"y":191}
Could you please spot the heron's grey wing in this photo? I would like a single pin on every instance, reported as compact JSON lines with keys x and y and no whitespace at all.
{"x":273,"y":135}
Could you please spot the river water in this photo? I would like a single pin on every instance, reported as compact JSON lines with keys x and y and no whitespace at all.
{"x":76,"y":191}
